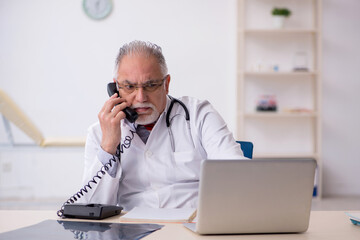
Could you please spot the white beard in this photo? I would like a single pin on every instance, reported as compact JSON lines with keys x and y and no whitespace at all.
{"x":147,"y":119}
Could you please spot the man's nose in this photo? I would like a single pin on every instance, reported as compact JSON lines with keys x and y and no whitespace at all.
{"x":141,"y":95}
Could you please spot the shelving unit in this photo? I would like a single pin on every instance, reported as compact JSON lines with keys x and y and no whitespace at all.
{"x":266,"y":58}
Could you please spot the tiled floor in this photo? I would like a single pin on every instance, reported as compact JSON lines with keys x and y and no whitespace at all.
{"x":325,"y":204}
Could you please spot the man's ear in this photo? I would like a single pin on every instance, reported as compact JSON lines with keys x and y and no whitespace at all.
{"x":167,"y":83}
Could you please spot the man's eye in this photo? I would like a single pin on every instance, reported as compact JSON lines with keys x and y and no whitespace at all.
{"x":150,"y":85}
{"x":129,"y":87}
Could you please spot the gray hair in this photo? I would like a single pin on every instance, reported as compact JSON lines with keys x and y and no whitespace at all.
{"x":140,"y":47}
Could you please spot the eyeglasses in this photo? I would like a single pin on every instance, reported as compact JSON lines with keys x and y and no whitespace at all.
{"x":149,"y":86}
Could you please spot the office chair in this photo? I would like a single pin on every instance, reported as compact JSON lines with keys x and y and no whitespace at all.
{"x":247,"y":148}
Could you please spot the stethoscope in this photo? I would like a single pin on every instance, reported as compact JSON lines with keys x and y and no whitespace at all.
{"x":169,"y":120}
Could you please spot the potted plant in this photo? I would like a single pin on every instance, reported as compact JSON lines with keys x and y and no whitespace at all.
{"x":279,"y":15}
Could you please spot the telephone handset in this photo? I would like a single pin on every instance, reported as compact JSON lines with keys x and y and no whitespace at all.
{"x":131,"y":114}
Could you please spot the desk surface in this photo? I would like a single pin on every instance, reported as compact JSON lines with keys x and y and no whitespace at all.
{"x":324,"y":225}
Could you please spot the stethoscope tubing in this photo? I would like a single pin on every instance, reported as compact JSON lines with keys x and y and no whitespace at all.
{"x":168,"y":121}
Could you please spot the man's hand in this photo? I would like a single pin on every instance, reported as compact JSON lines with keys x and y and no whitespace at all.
{"x":110,"y":116}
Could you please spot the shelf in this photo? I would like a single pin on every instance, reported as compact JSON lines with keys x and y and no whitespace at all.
{"x":280,"y":31}
{"x":279,"y":74}
{"x":294,"y":131}
{"x":280,"y":115}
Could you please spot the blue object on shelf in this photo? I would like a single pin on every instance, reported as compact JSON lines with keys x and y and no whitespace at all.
{"x":315,"y":191}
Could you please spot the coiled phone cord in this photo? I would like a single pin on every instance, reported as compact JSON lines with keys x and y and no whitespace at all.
{"x":99,"y":174}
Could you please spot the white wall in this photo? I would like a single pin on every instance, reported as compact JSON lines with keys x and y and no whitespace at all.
{"x":341,"y":87}
{"x":55,"y":63}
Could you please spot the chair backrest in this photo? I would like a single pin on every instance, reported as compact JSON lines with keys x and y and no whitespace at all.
{"x":12,"y":112}
{"x":247,"y":148}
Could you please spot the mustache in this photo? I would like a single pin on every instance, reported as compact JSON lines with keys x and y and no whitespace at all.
{"x":143,"y":105}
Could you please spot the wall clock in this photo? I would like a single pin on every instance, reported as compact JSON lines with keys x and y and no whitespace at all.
{"x":97,"y":9}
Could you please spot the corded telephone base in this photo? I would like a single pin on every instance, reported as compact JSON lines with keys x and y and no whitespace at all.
{"x":90,"y":211}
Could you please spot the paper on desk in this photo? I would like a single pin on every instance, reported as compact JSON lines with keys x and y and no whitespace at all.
{"x":354,"y":217}
{"x":160,"y":214}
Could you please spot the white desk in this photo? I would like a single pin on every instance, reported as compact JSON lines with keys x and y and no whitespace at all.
{"x":324,"y":225}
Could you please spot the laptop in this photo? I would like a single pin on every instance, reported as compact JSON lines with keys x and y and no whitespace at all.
{"x":254,"y":196}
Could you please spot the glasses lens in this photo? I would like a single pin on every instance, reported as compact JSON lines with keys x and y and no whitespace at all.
{"x":148,"y":87}
{"x":151,"y":87}
{"x":128,"y":88}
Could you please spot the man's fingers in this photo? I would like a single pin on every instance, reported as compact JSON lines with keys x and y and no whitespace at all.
{"x":118,"y":108}
{"x":120,"y":115}
{"x":111,"y":103}
{"x":111,"y":97}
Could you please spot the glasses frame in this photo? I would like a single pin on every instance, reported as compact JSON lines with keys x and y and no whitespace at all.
{"x":144,"y":86}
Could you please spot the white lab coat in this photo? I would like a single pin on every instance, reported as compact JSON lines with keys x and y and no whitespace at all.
{"x":151,"y":174}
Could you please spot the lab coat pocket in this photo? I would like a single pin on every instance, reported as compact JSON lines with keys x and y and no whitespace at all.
{"x":187,"y":166}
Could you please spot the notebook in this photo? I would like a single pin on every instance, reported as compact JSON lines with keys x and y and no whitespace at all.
{"x":254,"y":196}
{"x":144,"y":214}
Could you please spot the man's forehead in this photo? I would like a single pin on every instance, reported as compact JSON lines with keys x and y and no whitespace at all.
{"x":138,"y":68}
{"x":135,"y":78}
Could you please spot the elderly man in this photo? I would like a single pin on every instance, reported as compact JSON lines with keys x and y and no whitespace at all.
{"x":155,"y":161}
